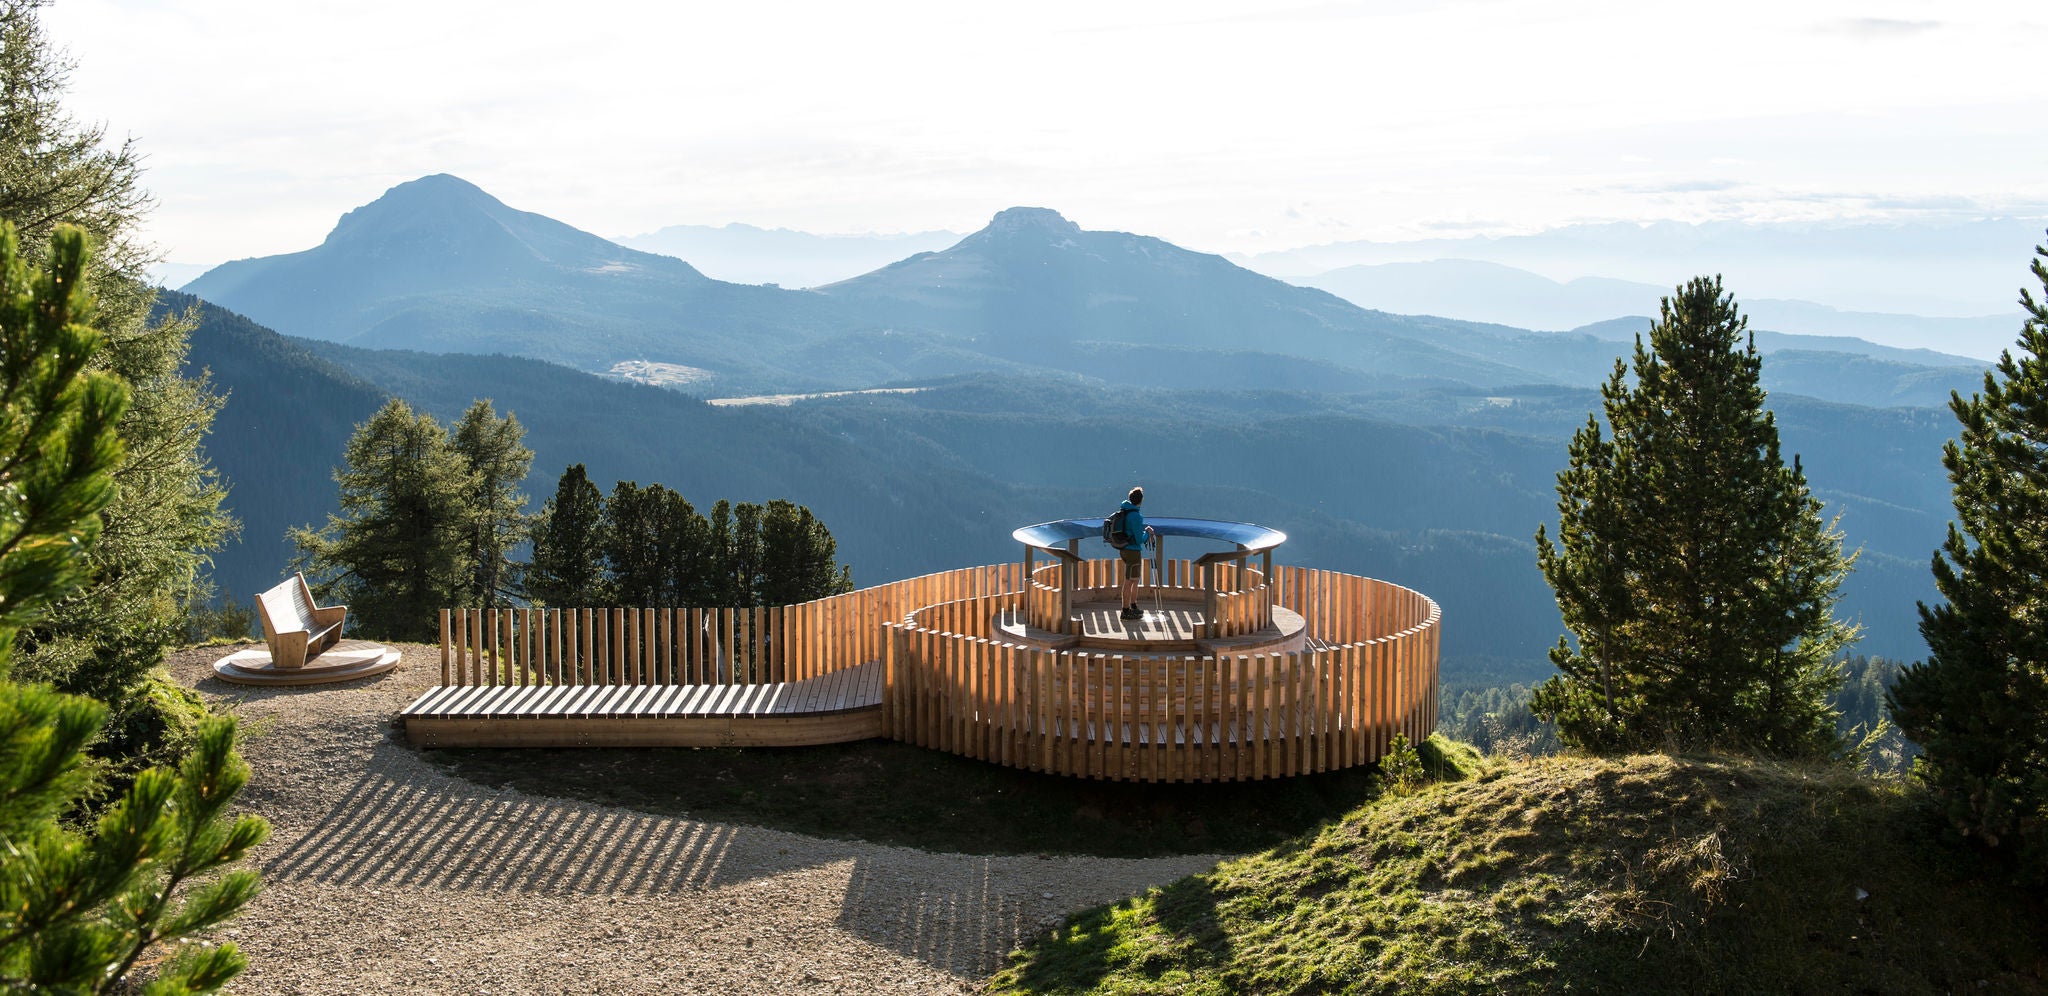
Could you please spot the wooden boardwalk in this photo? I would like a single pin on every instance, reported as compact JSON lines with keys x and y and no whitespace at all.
{"x":833,"y":708}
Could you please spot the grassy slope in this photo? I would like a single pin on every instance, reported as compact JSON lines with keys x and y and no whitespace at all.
{"x":1644,"y":874}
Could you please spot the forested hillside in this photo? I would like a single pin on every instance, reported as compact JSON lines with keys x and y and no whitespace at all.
{"x":1439,"y":490}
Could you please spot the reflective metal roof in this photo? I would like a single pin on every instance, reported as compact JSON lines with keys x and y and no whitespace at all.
{"x":1249,"y":537}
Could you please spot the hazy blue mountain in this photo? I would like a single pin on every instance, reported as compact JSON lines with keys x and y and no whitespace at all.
{"x":749,"y":255}
{"x":1479,"y":291}
{"x":1034,"y":287}
{"x":439,"y":266}
{"x":436,"y":264}
{"x":277,"y":439}
{"x":1933,"y":268}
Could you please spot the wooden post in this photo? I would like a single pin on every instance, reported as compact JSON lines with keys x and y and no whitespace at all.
{"x":444,"y":646}
{"x":525,"y":618}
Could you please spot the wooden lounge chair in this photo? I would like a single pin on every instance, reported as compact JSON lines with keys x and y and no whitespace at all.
{"x":294,"y":627}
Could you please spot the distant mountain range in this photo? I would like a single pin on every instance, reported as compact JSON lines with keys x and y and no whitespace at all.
{"x":749,"y":255}
{"x":1968,"y":269}
{"x":1480,"y":291}
{"x":439,"y":265}
{"x":1059,"y":366}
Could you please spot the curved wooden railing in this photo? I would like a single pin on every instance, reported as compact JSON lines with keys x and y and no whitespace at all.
{"x":1369,"y":672}
{"x":670,"y":646}
{"x":1242,"y":594}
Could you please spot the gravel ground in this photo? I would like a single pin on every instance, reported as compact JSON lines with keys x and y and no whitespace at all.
{"x":384,"y":873}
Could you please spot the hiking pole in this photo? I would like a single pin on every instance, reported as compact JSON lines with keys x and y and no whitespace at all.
{"x":1155,"y":588}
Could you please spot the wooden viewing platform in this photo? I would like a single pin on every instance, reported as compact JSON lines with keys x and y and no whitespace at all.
{"x":1239,"y":672}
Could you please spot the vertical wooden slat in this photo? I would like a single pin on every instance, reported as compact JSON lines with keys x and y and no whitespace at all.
{"x":554,"y":633}
{"x":496,"y":661}
{"x":591,"y":620}
{"x":629,"y":646}
{"x":445,"y":646}
{"x":473,"y":622}
{"x":526,"y":647}
{"x":1041,"y":661}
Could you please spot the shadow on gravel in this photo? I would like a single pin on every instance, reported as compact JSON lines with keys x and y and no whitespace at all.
{"x":386,"y":832}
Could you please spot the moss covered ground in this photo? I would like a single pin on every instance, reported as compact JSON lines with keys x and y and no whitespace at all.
{"x":1649,"y":874}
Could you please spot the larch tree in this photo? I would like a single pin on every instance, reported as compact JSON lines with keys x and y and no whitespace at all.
{"x":81,"y":907}
{"x":498,"y":461}
{"x":106,"y":638}
{"x":568,"y":553}
{"x":1692,"y":566}
{"x":1978,"y":706}
{"x":399,"y":550}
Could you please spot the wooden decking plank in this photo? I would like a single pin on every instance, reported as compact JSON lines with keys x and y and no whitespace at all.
{"x":641,"y":703}
{"x":491,"y":701}
{"x":521,"y":703}
{"x":546,"y":702}
{"x":808,"y":692}
{"x":831,"y":694}
{"x":721,"y":703}
{"x":760,"y":699}
{"x":873,"y":693}
{"x":429,"y":702}
{"x":457,"y":705}
{"x":619,"y":704}
{"x":779,"y":699}
{"x":571,"y":704}
{"x":600,"y":705}
{"x":690,"y":704}
{"x":664,"y":705}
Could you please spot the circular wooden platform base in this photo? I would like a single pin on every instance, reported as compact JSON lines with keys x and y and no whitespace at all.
{"x":343,"y":661}
{"x":1168,"y":629}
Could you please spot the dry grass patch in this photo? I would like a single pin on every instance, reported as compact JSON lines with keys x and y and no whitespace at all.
{"x":1643,"y":874}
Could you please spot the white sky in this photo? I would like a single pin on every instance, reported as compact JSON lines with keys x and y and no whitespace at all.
{"x":1222,"y":126}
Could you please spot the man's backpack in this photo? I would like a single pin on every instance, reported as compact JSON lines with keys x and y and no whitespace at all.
{"x":1116,"y":530}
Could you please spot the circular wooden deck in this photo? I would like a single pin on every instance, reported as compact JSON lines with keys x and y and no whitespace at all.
{"x":1168,"y":627}
{"x":341,"y":662}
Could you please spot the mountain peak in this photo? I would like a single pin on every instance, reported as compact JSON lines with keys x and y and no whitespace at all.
{"x":1018,"y":220}
{"x":441,"y":224}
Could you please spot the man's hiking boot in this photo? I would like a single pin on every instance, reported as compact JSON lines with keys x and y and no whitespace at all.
{"x":1131,"y":612}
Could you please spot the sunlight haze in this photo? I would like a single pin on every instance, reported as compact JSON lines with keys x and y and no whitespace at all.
{"x":1225,"y":127}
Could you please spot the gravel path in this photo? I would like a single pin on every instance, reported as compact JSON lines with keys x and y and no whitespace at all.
{"x":383,"y":873}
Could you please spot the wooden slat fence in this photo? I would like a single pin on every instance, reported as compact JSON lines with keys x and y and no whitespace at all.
{"x":694,"y":646}
{"x":1371,"y":673}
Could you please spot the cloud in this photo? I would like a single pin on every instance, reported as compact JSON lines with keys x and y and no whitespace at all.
{"x":1876,"y":28}
{"x":1680,"y":187}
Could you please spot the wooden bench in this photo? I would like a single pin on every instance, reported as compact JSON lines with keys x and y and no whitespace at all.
{"x":294,"y":627}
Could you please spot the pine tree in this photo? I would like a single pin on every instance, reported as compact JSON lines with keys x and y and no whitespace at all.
{"x":107,"y":638}
{"x":741,"y":557}
{"x":798,"y":557}
{"x":1692,"y":567}
{"x":568,"y":554}
{"x":632,"y":538}
{"x":498,"y":463}
{"x":1978,"y":706}
{"x":399,"y":550}
{"x":656,"y":546}
{"x":77,"y":911}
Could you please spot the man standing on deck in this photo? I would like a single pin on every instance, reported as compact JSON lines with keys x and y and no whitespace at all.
{"x":1136,"y":535}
